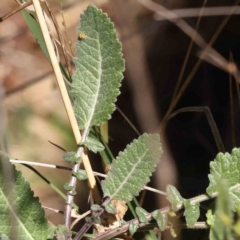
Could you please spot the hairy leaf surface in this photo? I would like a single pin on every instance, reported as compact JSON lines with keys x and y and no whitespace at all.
{"x":131,"y":170}
{"x":99,"y":66}
{"x":226,"y":166}
{"x":142,"y":215}
{"x":222,"y":224}
{"x":93,"y":144}
{"x":174,"y":197}
{"x":161,"y":219}
{"x":21,"y":214}
{"x":191,"y":212}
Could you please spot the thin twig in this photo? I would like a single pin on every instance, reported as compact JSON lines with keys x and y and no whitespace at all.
{"x":18,"y":9}
{"x":69,"y":110}
{"x":111,"y":233}
{"x":188,"y":30}
{"x":232,"y":105}
{"x":188,"y":53}
{"x":128,"y":120}
{"x":60,"y":38}
{"x":163,"y":123}
{"x":196,"y":12}
{"x":53,"y":209}
{"x":211,"y":122}
{"x":40,"y":164}
{"x":79,"y":217}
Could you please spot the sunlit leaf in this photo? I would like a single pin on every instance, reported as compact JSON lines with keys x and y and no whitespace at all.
{"x":226,"y":166}
{"x":161,"y":219}
{"x":99,"y":69}
{"x":21,"y":214}
{"x":131,"y":170}
{"x":191,"y":212}
{"x":142,"y":214}
{"x":93,"y":144}
{"x":133,"y":227}
{"x":174,"y":197}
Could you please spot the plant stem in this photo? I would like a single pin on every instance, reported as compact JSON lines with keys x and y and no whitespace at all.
{"x":116,"y":231}
{"x":68,"y":107}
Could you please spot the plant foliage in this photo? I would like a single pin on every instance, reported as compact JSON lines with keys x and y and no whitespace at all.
{"x":130,"y":171}
{"x":21,"y":214}
{"x":226,"y":166}
{"x":99,"y":66}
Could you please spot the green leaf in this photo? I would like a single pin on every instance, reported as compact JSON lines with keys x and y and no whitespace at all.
{"x":174,"y":197}
{"x":110,"y":208}
{"x":161,"y":219}
{"x":222,"y":225}
{"x":70,"y":157}
{"x":226,"y":166}
{"x":36,"y":31}
{"x":93,"y":144}
{"x":80,"y":174}
{"x":99,"y":66}
{"x":210,"y":217}
{"x":133,"y":227}
{"x":131,"y":170}
{"x":21,"y":215}
{"x":95,"y":208}
{"x":141,"y":213}
{"x":68,"y":187}
{"x":191,"y":212}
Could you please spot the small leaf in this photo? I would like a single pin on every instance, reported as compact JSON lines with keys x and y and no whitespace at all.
{"x":131,"y":170}
{"x":36,"y":30}
{"x":210,"y":217}
{"x":226,"y":166}
{"x":62,"y":232}
{"x":191,"y":212}
{"x":70,"y":157}
{"x":80,"y":174}
{"x":110,"y":208}
{"x":99,"y":67}
{"x":174,"y":197}
{"x":93,"y":144}
{"x":221,"y":228}
{"x":68,"y":187}
{"x":95,"y":208}
{"x":141,"y":213}
{"x":161,"y":219}
{"x":133,"y":227}
{"x":97,"y":220}
{"x":21,"y":214}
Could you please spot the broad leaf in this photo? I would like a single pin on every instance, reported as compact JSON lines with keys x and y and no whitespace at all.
{"x":131,"y":170}
{"x":142,"y":215}
{"x":99,"y":66}
{"x":222,"y":225}
{"x":161,"y":219}
{"x":226,"y":166}
{"x":93,"y":144}
{"x":174,"y":197}
{"x":21,"y":215}
{"x":191,"y":212}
